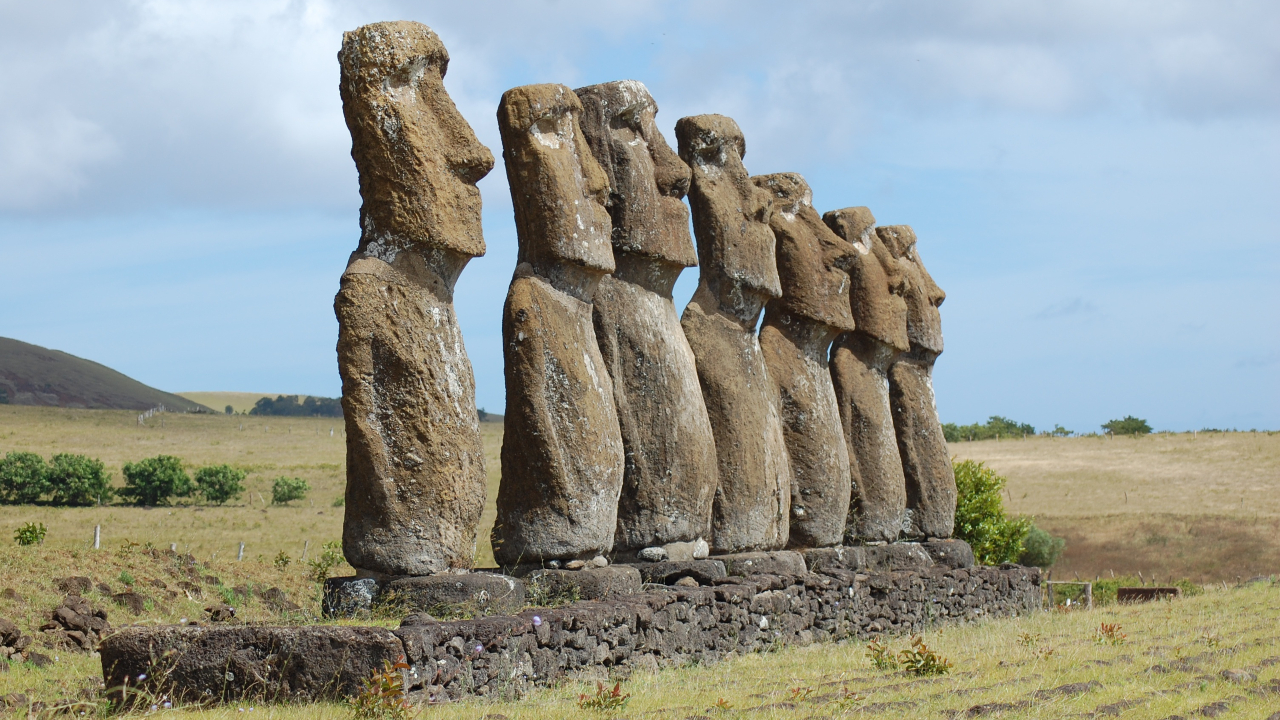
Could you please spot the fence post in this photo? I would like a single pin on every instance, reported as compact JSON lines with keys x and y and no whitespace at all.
{"x":240,"y":555}
{"x":306,"y":544}
{"x":1088,"y":595}
{"x":97,"y":536}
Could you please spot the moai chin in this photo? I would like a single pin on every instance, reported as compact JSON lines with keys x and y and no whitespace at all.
{"x":415,"y":466}
{"x":738,"y":275}
{"x":669,"y":478}
{"x":931,"y":483}
{"x":796,"y":335}
{"x":562,"y":452}
{"x":860,"y":362}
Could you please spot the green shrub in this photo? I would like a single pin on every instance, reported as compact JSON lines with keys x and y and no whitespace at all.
{"x":1041,"y":549}
{"x":980,"y":519}
{"x":1129,"y":425}
{"x":79,"y":480}
{"x":285,"y":490}
{"x":155,"y":480}
{"x":31,"y":534}
{"x":330,"y":557}
{"x":220,"y":483}
{"x":996,"y":427}
{"x":23,"y":478}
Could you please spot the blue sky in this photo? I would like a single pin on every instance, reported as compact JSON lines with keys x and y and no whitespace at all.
{"x":1094,"y":184}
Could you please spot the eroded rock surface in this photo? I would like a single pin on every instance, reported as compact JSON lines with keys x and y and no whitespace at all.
{"x":931,"y":483}
{"x":669,"y":479}
{"x":415,"y":467}
{"x":738,"y":275}
{"x":562,"y":452}
{"x":796,"y":337}
{"x":860,"y":363}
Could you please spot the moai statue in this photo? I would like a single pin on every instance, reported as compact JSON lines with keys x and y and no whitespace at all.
{"x":562,"y":451}
{"x":860,"y":363}
{"x":796,"y":337}
{"x":669,"y":480}
{"x":415,"y":467}
{"x":738,"y":275}
{"x":931,"y":484}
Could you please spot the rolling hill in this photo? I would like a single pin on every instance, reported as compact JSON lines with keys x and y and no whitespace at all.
{"x":32,"y":375}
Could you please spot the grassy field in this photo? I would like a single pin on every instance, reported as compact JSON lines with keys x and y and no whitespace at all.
{"x":1204,"y":506}
{"x":1167,"y":659}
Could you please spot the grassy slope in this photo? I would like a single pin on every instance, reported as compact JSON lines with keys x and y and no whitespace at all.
{"x":76,"y":381}
{"x":1203,"y":506}
{"x":1019,"y":662}
{"x":241,"y":402}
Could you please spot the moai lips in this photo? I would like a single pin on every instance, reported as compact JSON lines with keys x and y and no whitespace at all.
{"x":562,"y":452}
{"x":415,"y":465}
{"x":930,"y":481}
{"x":670,"y":473}
{"x":795,"y":337}
{"x":739,"y":274}
{"x":860,"y":362}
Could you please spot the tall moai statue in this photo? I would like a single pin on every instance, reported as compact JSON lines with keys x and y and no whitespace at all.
{"x":415,"y":466}
{"x":738,"y":276}
{"x":669,"y":480}
{"x":860,"y":362}
{"x":562,"y":453}
{"x":796,"y":336}
{"x":931,"y":483}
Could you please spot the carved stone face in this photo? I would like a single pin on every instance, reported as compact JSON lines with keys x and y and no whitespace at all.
{"x":730,"y":214}
{"x":418,"y":159}
{"x":646,"y":177}
{"x":558,"y":188}
{"x":812,"y":260}
{"x":922,"y":294}
{"x":878,"y":307}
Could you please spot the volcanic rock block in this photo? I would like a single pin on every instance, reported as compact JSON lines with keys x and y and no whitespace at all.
{"x":669,"y":479}
{"x":704,"y":572}
{"x":225,"y":663}
{"x":860,"y":363}
{"x":474,"y":594}
{"x":415,"y":466}
{"x":739,"y":274}
{"x":348,"y":596}
{"x":562,"y":452}
{"x":592,"y":583}
{"x":780,"y":562}
{"x":796,"y":336}
{"x":931,"y":483}
{"x":75,"y":625}
{"x":953,"y":553}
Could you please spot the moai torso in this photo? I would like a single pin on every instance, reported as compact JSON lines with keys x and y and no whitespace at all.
{"x":738,"y":275}
{"x":562,"y":453}
{"x":415,"y":466}
{"x":669,"y":479}
{"x":795,"y":337}
{"x":860,"y":363}
{"x":930,"y":481}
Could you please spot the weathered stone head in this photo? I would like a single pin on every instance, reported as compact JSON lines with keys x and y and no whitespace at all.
{"x":730,"y":216}
{"x":813,"y":262}
{"x":419,"y":160}
{"x":878,"y":307}
{"x":922,"y":294}
{"x":646,"y":178}
{"x":558,"y":189}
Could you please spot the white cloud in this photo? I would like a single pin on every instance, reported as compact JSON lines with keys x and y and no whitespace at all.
{"x":46,"y":158}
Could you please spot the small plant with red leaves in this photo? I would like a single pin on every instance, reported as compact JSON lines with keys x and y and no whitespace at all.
{"x":605,"y":699}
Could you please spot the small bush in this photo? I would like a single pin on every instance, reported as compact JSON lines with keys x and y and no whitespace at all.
{"x":329,"y":558}
{"x":881,"y":656}
{"x":605,"y":698}
{"x":79,"y":480}
{"x":1129,"y":425}
{"x":220,"y":483}
{"x":920,"y":659}
{"x":1041,"y":549}
{"x":155,"y":480}
{"x":980,"y":519}
{"x":1110,"y":634}
{"x":382,"y":696}
{"x":282,"y":560}
{"x":31,"y":534}
{"x":23,"y":478}
{"x":285,"y":490}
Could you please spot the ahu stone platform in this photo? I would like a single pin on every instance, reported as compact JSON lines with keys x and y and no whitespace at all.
{"x":712,"y":610}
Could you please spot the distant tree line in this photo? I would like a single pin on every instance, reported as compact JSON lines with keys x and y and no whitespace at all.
{"x":995,"y":427}
{"x":78,"y":480}
{"x":290,"y":406}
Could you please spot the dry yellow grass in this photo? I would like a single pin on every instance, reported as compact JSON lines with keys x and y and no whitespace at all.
{"x":1203,"y":506}
{"x":241,"y":402}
